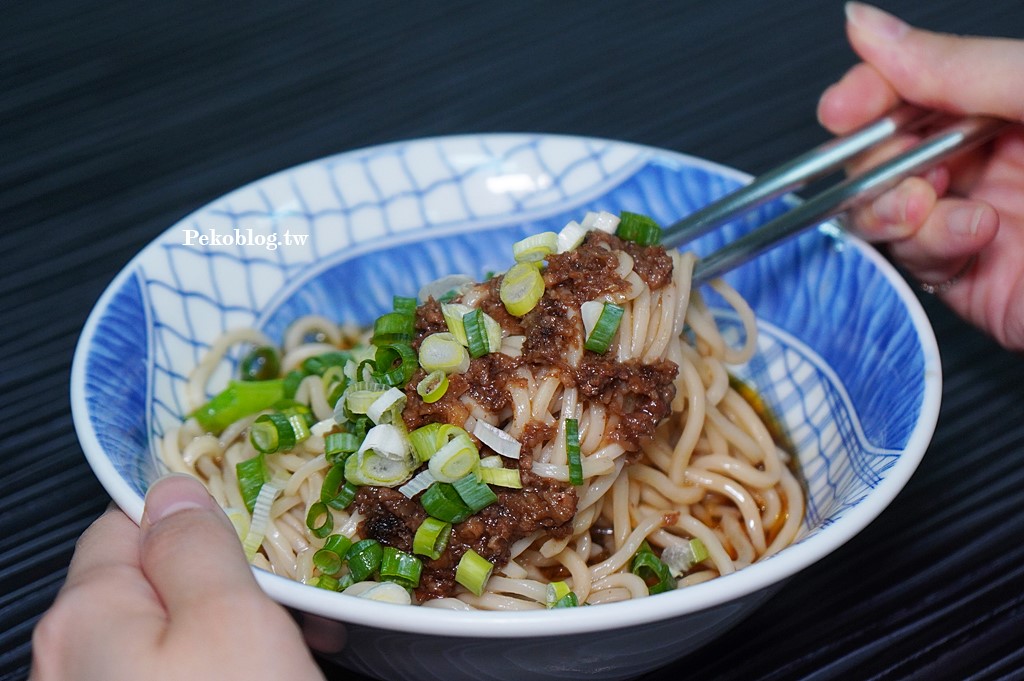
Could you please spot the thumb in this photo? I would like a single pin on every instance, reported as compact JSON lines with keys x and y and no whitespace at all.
{"x":964,"y":75}
{"x":189,"y":550}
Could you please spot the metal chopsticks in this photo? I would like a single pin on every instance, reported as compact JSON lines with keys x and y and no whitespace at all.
{"x":953,"y":138}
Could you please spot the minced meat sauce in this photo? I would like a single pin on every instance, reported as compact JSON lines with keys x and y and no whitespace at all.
{"x":639,"y":394}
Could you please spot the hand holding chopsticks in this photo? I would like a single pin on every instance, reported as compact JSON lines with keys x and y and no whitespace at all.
{"x":954,"y":138}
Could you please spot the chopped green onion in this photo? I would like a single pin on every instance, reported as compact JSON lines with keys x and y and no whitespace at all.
{"x":339,"y":445}
{"x":331,"y":557}
{"x":443,"y":352}
{"x":239,"y":399}
{"x":454,"y":314}
{"x":473,"y":571}
{"x":500,"y":477}
{"x":431,"y":537}
{"x":535,"y":247}
{"x":262,"y":363}
{"x":572,"y":450}
{"x":325,"y":581}
{"x":271,"y":433}
{"x":419,"y":483}
{"x":300,"y":427}
{"x":361,"y":394}
{"x":387,"y":440}
{"x":458,"y":458}
{"x":388,"y":407}
{"x":404,"y":305}
{"x":555,"y":592}
{"x":371,"y":468}
{"x":476,"y":494}
{"x":638,"y":228}
{"x":442,"y":501}
{"x":337,"y":492}
{"x":681,"y":557}
{"x":521,"y":289}
{"x":393,"y":327}
{"x":433,"y":386}
{"x":425,"y":440}
{"x":571,"y":236}
{"x":364,"y":558}
{"x":603,"y":221}
{"x":387,"y":592}
{"x":497,"y":439}
{"x":260,"y":518}
{"x":395,"y":364}
{"x":252,"y":473}
{"x":319,"y":519}
{"x":652,"y":570}
{"x":476,"y":334}
{"x":603,"y":325}
{"x":291,"y":383}
{"x":319,"y":364}
{"x":569,"y":600}
{"x":400,"y":567}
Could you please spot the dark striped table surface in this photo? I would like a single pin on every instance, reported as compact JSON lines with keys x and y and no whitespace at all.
{"x":118,"y":118}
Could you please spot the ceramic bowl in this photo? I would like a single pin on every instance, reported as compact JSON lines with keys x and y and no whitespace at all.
{"x":846,"y":358}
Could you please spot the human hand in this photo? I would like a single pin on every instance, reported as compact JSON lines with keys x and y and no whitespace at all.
{"x":963,"y":221}
{"x":174,"y":600}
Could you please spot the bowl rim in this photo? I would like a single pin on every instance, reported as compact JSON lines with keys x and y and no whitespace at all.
{"x":536,"y":623}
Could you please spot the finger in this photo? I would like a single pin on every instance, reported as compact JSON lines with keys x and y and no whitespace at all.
{"x":110,"y":542}
{"x":898,"y":213}
{"x":189,"y":549}
{"x":860,"y":96}
{"x":940,"y":71}
{"x":954,"y":232}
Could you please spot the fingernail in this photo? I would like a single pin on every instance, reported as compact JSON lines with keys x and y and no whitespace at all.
{"x":875,"y":21}
{"x":965,"y":220}
{"x":172,"y":494}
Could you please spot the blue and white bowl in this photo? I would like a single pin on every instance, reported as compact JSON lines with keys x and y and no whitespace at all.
{"x":846,"y":358}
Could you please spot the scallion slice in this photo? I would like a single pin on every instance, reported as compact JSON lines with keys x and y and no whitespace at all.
{"x":239,"y":399}
{"x":339,"y":445}
{"x":395,"y":363}
{"x":638,"y":228}
{"x":572,"y":450}
{"x":319,"y":519}
{"x":387,"y":592}
{"x":604,"y":320}
{"x":443,"y":352}
{"x":370,"y":468}
{"x":337,"y":492}
{"x":364,"y":558}
{"x":388,"y":407}
{"x":252,"y":473}
{"x":476,"y":494}
{"x":521,"y":289}
{"x":571,"y":236}
{"x":453,"y":314}
{"x":331,"y":557}
{"x":652,"y":570}
{"x":404,"y":305}
{"x":271,"y":433}
{"x":473,"y":571}
{"x":442,"y":501}
{"x":326,"y":582}
{"x":260,"y":518}
{"x":681,"y":557}
{"x":419,"y":483}
{"x":400,"y":567}
{"x":456,"y":459}
{"x":497,"y":439}
{"x":500,"y":477}
{"x":393,"y":327}
{"x":603,"y":221}
{"x":476,"y":333}
{"x":535,"y":247}
{"x":431,"y":537}
{"x":432,"y":387}
{"x":555,"y":592}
